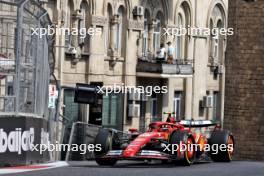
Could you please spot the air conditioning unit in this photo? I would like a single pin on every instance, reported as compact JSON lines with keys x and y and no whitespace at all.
{"x":220,"y":69}
{"x":138,"y":11}
{"x":208,"y":101}
{"x":133,"y":110}
{"x":134,"y":95}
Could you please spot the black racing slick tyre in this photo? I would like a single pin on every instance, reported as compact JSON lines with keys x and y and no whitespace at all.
{"x":182,"y":137}
{"x":104,"y":138}
{"x":224,"y":139}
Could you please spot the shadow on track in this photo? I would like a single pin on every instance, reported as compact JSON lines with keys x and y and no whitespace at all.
{"x":135,"y":165}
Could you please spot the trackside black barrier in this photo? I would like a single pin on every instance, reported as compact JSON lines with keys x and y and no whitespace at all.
{"x":17,"y":137}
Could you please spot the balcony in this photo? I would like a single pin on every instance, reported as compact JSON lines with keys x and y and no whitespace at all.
{"x":179,"y":67}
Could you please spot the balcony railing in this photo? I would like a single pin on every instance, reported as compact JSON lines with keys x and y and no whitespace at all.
{"x":179,"y":67}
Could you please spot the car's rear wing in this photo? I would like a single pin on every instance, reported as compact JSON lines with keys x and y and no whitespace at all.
{"x":199,"y":123}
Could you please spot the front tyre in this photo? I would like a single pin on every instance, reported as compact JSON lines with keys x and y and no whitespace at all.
{"x":222,"y":138}
{"x":105,"y":139}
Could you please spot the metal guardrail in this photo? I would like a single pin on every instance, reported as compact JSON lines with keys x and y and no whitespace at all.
{"x":25,"y":59}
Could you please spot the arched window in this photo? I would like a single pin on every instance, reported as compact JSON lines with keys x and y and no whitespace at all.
{"x":183,"y":21}
{"x":120,"y":31}
{"x":83,"y":25}
{"x":157,"y":31}
{"x":108,"y":32}
{"x":179,"y":39}
{"x":216,"y":41}
{"x":211,"y":38}
{"x":68,"y":22}
{"x":145,"y":34}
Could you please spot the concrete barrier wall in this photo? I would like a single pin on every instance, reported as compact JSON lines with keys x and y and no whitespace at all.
{"x":17,"y":134}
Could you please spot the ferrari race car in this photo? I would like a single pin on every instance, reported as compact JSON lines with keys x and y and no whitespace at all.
{"x":172,"y":141}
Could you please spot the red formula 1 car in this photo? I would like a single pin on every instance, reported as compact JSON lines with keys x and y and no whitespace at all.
{"x":178,"y":142}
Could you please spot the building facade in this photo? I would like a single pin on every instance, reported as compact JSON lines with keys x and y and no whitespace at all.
{"x":244,"y":109}
{"x":124,"y":53}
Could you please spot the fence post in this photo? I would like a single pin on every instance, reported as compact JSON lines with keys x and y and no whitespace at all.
{"x":18,"y":52}
{"x":70,"y":142}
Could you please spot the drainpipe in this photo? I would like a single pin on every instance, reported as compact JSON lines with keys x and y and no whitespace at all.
{"x":194,"y":59}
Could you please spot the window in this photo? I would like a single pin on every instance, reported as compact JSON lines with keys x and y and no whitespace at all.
{"x":108,"y":29}
{"x":178,"y":104}
{"x":216,"y":106}
{"x":183,"y":20}
{"x":145,"y":35}
{"x":156,"y":36}
{"x":72,"y":112}
{"x":82,"y":23}
{"x":215,"y":39}
{"x":83,"y":38}
{"x":154,"y":107}
{"x":157,"y":32}
{"x":211,"y":39}
{"x":179,"y":39}
{"x":217,"y":21}
{"x":119,"y":30}
{"x":112,"y":111}
{"x":118,"y":36}
{"x":68,"y":37}
{"x":215,"y":48}
{"x":72,"y":109}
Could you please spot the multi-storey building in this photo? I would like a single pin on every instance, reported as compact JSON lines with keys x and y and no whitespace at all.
{"x":124,"y":54}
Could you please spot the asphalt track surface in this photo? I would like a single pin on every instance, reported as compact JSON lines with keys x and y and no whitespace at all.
{"x":129,"y":168}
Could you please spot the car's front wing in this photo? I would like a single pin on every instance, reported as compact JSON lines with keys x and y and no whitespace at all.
{"x":141,"y":155}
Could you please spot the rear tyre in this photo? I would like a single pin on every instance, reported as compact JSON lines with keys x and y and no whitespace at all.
{"x":222,"y":138}
{"x":186,"y":157}
{"x":104,"y":138}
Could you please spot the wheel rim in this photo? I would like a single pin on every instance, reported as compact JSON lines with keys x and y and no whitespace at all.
{"x":190,"y":153}
{"x":230,"y":142}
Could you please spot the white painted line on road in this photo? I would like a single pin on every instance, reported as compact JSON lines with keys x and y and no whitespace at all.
{"x":37,"y":167}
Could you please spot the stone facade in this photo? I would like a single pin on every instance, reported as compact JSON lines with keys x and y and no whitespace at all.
{"x":244,"y":100}
{"x":115,"y":57}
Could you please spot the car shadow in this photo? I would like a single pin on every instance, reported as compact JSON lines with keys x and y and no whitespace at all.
{"x":138,"y":164}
